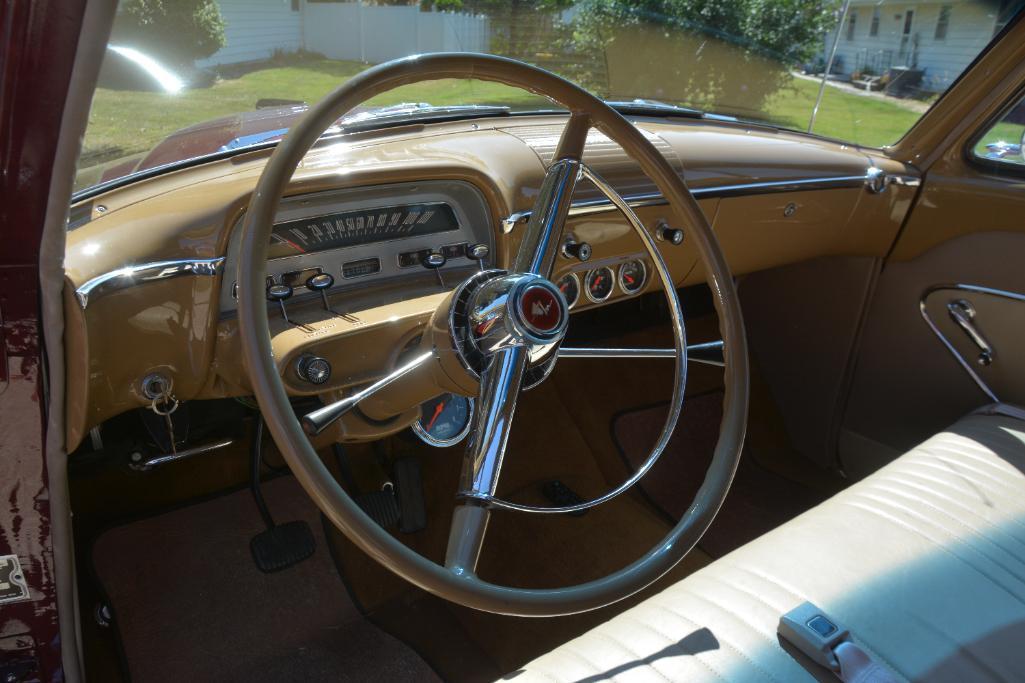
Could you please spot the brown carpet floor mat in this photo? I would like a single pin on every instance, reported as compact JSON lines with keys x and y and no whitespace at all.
{"x":190,"y":605}
{"x":758,"y":500}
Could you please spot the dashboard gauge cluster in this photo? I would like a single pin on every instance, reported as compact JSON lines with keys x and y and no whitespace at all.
{"x":364,"y":226}
{"x":599,"y":284}
{"x":360,"y":236}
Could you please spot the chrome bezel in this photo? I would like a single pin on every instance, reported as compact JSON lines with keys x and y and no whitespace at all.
{"x":644,"y":277}
{"x":576,"y":279}
{"x":425,"y":436}
{"x":587,"y":289}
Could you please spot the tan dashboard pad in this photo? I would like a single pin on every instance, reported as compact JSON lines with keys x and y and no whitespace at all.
{"x":336,"y":504}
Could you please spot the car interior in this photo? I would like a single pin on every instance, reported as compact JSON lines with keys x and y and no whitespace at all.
{"x":605,"y":390}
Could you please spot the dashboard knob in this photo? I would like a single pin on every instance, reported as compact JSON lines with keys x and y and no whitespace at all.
{"x":434,"y":260}
{"x":578,"y":250}
{"x":477,"y":252}
{"x":279,"y":292}
{"x":672,"y":235}
{"x":313,"y":369}
{"x":320,"y":282}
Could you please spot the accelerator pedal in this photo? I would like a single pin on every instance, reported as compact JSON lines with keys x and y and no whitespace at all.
{"x":560,"y":495}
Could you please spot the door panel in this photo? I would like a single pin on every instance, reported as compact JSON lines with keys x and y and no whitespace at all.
{"x":907,"y":385}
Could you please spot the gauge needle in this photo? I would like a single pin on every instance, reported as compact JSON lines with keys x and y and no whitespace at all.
{"x":437,"y":413}
{"x":629,"y":280}
{"x":597,"y":280}
{"x":294,"y":245}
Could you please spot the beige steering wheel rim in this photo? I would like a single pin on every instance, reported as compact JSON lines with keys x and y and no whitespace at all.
{"x":465,"y":588}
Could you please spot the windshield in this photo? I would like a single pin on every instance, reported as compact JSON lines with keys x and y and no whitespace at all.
{"x":186,"y":79}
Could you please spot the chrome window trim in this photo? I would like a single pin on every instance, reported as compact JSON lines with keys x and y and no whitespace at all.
{"x":129,"y":276}
{"x":600,"y":205}
{"x":965,"y":365}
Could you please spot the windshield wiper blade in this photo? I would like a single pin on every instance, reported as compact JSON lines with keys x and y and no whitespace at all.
{"x":644,"y":107}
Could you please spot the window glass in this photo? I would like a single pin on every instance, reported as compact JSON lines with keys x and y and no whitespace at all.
{"x":185,"y":79}
{"x":1003,"y":141}
{"x":942,"y":23}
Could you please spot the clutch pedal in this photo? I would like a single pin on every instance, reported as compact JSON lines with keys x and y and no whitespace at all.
{"x":279,"y":546}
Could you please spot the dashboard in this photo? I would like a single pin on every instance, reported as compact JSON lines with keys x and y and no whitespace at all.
{"x":364,"y":237}
{"x":374,"y":232}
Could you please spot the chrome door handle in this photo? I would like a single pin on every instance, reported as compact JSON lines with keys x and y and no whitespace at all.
{"x":963,"y":313}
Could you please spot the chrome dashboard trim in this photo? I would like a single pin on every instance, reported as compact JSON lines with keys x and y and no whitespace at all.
{"x":601,"y":205}
{"x":129,"y":276}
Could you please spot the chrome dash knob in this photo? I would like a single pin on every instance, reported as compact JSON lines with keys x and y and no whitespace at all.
{"x":581,"y":251}
{"x":321,"y":282}
{"x":478,"y":252}
{"x":280,"y":292}
{"x":434,"y":261}
{"x":667,"y":234}
{"x":313,"y":369}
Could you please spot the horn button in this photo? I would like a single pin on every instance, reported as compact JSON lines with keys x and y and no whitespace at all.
{"x":517,"y":310}
{"x":540,"y":309}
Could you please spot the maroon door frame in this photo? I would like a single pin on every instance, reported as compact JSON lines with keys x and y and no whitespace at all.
{"x":38,"y":39}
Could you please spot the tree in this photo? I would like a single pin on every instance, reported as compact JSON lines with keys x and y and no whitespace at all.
{"x":705,"y":53}
{"x":178,"y":31}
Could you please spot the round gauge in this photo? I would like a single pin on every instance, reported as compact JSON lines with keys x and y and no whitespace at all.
{"x":633,"y":275}
{"x":569,"y":285}
{"x":444,"y":420}
{"x":598,"y":284}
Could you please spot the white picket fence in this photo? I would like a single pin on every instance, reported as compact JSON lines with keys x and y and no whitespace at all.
{"x":377,"y":33}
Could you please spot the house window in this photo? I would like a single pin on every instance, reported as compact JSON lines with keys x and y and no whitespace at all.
{"x":852,"y":21}
{"x":873,"y":28}
{"x":943,"y":23}
{"x":295,"y":5}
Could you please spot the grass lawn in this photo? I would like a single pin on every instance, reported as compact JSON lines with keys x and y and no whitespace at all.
{"x":845,"y":116}
{"x":125,"y":123}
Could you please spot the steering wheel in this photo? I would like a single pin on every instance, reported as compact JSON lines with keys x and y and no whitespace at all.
{"x":514,"y":319}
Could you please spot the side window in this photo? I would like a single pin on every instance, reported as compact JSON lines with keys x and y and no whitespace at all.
{"x":1003,"y":141}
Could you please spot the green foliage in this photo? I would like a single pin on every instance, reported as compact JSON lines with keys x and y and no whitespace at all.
{"x":788,"y":30}
{"x":726,"y":56}
{"x":178,"y":31}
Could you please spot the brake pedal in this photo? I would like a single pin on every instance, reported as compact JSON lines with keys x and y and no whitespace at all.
{"x":381,"y":506}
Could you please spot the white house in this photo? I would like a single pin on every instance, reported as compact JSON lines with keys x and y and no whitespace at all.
{"x":940,"y":38}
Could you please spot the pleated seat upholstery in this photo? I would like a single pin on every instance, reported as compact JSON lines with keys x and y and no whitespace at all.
{"x":924,"y":561}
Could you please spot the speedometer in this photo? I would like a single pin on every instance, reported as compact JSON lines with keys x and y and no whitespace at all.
{"x":365,"y":226}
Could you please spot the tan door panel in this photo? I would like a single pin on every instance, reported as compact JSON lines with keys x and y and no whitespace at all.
{"x":906,"y":384}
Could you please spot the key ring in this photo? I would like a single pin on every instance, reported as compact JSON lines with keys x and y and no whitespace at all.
{"x":173,"y":402}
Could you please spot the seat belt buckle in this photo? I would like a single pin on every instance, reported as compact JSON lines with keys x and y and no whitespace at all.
{"x":814,"y":633}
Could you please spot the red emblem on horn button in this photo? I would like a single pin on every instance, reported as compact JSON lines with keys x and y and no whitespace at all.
{"x":540,"y":309}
